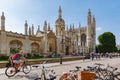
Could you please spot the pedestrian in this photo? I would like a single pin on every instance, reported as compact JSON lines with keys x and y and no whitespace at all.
{"x":92,"y":55}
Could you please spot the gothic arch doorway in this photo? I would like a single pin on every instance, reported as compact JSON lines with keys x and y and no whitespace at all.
{"x":67,"y":50}
{"x":83,"y":39}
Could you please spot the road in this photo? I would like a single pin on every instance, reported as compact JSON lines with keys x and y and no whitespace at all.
{"x":60,"y":68}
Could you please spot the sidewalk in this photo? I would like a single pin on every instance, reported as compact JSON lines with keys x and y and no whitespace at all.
{"x":2,"y":70}
{"x":60,"y":68}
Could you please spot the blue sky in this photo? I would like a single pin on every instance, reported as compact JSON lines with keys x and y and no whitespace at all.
{"x":36,"y":12}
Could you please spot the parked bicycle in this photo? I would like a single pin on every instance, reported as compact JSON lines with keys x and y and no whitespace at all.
{"x":106,"y":73}
{"x":11,"y":69}
{"x":111,"y":73}
{"x":71,"y":75}
{"x":46,"y":73}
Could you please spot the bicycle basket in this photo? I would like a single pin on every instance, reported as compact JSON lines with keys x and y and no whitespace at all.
{"x":86,"y":75}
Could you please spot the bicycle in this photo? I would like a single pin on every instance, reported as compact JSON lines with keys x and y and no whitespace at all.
{"x":45,"y":75}
{"x":71,"y":75}
{"x":11,"y":69}
{"x":100,"y":73}
{"x":111,"y":73}
{"x":108,"y":73}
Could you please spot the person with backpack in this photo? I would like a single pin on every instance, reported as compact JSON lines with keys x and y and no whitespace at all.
{"x":17,"y":59}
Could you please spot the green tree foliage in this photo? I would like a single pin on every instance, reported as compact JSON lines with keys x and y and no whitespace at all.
{"x":14,"y":50}
{"x":107,"y":42}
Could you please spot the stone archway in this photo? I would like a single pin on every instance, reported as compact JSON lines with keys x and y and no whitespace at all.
{"x":35,"y":47}
{"x":67,"y":50}
{"x":83,"y":39}
{"x":15,"y":45}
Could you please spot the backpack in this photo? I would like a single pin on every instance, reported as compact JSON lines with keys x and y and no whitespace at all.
{"x":15,"y":56}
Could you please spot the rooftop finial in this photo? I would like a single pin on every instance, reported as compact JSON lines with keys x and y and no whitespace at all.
{"x":3,"y":13}
{"x":25,"y":21}
{"x":3,"y":17}
{"x":79,"y":24}
{"x":60,"y":12}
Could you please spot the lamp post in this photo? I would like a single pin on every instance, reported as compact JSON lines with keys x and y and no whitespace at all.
{"x":62,"y":43}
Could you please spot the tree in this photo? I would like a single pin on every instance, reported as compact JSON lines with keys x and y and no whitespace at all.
{"x":107,"y":42}
{"x":14,"y":50}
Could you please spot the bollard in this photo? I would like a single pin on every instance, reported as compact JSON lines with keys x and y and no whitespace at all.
{"x":60,"y":59}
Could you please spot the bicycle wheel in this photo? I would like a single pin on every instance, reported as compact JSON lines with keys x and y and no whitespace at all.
{"x":26,"y":69}
{"x":10,"y":71}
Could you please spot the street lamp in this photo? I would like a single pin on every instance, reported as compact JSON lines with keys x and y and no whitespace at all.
{"x":62,"y":50}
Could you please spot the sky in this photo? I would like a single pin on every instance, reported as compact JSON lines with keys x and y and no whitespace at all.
{"x":106,"y":12}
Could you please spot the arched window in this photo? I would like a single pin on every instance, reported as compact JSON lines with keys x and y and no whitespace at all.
{"x":83,"y":39}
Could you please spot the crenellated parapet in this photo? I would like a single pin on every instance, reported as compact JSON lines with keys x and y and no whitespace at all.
{"x":15,"y":34}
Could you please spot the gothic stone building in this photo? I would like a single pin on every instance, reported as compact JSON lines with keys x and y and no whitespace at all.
{"x":63,"y":41}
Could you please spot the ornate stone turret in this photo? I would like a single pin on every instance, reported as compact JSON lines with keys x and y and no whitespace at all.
{"x":32,"y":30}
{"x":89,"y":17}
{"x":73,"y":27}
{"x":79,"y":40}
{"x":3,"y":22}
{"x":70,"y":27}
{"x":89,"y":39}
{"x":48,"y":26}
{"x":60,"y":12}
{"x":45,"y":26}
{"x":67,"y":31}
{"x":93,"y":21}
{"x":79,"y":26}
{"x":26,"y":28}
{"x":38,"y":30}
{"x":45,"y":37}
{"x":60,"y":31}
{"x":94,"y":33}
{"x":60,"y":23}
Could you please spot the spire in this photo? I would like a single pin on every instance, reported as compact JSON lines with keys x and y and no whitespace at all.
{"x":89,"y":12}
{"x":45,"y":25}
{"x":70,"y":27}
{"x":26,"y":23}
{"x":32,"y":30}
{"x":60,"y":12}
{"x":89,"y":16}
{"x":38,"y":27}
{"x":26,"y":28}
{"x":38,"y":30}
{"x":3,"y":22}
{"x":73,"y":26}
{"x":94,"y":19}
{"x":3,"y":17}
{"x":48,"y":26}
{"x":79,"y":25}
{"x":67,"y":27}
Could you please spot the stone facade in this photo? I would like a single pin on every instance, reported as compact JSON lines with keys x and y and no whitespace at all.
{"x":63,"y":41}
